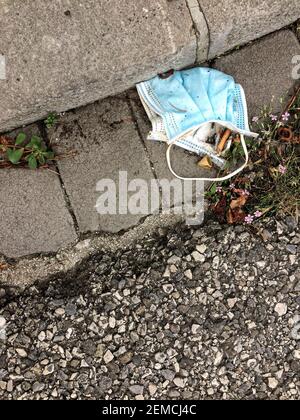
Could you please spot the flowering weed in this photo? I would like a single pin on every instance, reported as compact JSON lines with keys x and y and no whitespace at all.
{"x":270,"y":184}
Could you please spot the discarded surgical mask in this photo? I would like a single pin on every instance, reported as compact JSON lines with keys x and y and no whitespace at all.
{"x":188,"y":108}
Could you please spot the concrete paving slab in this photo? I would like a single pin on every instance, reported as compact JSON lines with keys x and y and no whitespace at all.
{"x":264,"y":68}
{"x":63,"y":54}
{"x":107,"y":142}
{"x":236,"y":22}
{"x":33,"y":214}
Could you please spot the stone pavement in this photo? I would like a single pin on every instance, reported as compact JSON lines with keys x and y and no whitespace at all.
{"x":42,"y":212}
{"x":60,"y":55}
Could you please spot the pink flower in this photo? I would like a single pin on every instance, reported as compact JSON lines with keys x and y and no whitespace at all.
{"x":286,"y":116}
{"x":255,"y":119}
{"x":249,"y":219}
{"x":258,"y":214}
{"x":232,"y":186}
{"x":246,"y":193}
{"x":274,"y":117}
{"x":282,"y":169}
{"x":219,"y":189}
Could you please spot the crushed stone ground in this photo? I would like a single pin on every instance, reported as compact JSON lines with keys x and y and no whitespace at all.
{"x":212,"y":313}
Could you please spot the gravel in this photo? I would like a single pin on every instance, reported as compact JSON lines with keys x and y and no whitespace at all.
{"x":211,"y":313}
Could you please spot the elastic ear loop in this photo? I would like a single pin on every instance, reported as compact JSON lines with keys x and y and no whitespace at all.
{"x":225,"y":178}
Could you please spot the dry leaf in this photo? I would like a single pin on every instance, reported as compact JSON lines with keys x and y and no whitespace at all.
{"x":205,"y":163}
{"x":239,"y":202}
{"x":235,"y":216}
{"x":3,"y":266}
{"x":220,"y":209}
{"x":230,"y":218}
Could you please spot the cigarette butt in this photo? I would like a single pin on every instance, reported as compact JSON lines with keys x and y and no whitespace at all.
{"x":223,"y":141}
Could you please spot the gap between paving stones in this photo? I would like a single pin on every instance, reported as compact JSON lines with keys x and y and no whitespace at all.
{"x":44,"y":133}
{"x":233,"y":23}
{"x":140,"y":134}
{"x":201,"y":29}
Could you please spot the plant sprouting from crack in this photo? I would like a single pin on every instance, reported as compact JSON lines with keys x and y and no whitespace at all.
{"x":51,"y":120}
{"x":33,"y":153}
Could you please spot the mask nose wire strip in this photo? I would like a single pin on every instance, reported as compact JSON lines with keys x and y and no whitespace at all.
{"x":225,"y":178}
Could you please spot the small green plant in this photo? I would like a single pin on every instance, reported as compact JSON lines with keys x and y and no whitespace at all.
{"x":33,"y":153}
{"x":51,"y":120}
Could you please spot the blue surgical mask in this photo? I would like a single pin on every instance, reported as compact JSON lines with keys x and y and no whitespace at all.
{"x":184,"y":108}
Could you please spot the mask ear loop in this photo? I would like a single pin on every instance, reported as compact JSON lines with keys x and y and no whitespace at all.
{"x":225,"y":178}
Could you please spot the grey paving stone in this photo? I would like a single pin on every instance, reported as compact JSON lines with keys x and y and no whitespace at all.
{"x":33,"y":214}
{"x":107,"y":142}
{"x":64,"y":54}
{"x":264,"y":68}
{"x":236,"y":22}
